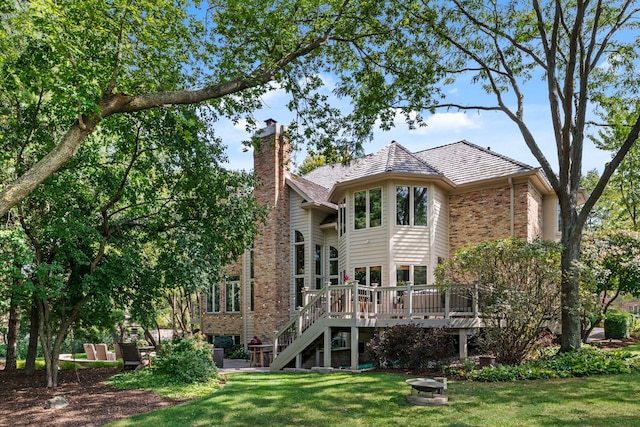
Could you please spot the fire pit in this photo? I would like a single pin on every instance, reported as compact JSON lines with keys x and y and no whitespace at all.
{"x":434,"y":386}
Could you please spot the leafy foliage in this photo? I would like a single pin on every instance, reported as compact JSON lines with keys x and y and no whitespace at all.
{"x":618,"y":324}
{"x":581,"y":362}
{"x":517,"y":285}
{"x":610,"y":267}
{"x":187,"y":360}
{"x":411,"y":346}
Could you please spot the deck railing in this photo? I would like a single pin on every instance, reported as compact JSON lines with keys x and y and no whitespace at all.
{"x":355,"y":301}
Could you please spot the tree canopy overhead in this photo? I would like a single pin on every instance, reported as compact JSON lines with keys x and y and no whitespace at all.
{"x":69,"y":65}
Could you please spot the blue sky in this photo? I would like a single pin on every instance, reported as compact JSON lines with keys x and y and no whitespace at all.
{"x":484,"y":128}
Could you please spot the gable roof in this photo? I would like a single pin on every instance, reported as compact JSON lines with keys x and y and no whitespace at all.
{"x":310,"y":191}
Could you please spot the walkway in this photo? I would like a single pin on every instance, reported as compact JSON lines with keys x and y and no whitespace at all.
{"x":230,"y":366}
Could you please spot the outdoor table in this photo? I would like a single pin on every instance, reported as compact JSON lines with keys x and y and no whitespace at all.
{"x":261,"y":349}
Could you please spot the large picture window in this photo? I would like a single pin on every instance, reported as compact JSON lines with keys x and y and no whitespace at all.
{"x":367,"y":208}
{"x":412,"y":206}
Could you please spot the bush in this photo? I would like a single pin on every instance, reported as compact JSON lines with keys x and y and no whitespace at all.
{"x":585,"y":361}
{"x":617,"y":324}
{"x":412,"y":347}
{"x":187,"y":360}
{"x":226,"y":342}
{"x":239,"y":353}
{"x":518,"y":293}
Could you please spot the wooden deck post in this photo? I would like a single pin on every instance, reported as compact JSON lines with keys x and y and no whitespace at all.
{"x":462,"y":334}
{"x":327,"y":347}
{"x":355,"y":338}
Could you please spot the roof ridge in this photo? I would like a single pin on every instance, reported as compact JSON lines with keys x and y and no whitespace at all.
{"x":412,"y":154}
{"x":486,"y":150}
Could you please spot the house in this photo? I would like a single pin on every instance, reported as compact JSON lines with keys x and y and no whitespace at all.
{"x":348,"y":248}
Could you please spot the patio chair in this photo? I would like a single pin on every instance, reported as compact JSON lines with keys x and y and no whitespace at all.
{"x":103,"y":354}
{"x":90,"y":350}
{"x":131,"y":357}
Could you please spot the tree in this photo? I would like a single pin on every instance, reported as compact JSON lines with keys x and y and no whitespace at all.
{"x":584,"y":52}
{"x":624,"y":187}
{"x":71,"y":65}
{"x":107,"y":230}
{"x":518,"y":292}
{"x":15,"y":260}
{"x":610,"y":267}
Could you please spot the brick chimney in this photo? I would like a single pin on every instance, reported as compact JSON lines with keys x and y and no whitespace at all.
{"x":272,"y":245}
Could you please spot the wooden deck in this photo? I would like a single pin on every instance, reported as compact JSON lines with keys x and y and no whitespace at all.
{"x":359,"y":306}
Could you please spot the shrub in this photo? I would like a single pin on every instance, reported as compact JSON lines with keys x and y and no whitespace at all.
{"x":410,"y":346}
{"x":239,"y":353}
{"x":187,"y":360}
{"x":226,"y":342}
{"x":617,"y":324}
{"x":518,"y":293}
{"x":584,"y":361}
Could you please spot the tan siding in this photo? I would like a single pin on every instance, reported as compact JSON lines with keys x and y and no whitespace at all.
{"x":440,"y":246}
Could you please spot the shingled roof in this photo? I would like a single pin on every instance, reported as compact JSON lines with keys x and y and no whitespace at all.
{"x":463,"y":162}
{"x":460,"y":163}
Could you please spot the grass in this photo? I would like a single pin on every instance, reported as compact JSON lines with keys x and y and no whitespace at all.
{"x":163,"y":385}
{"x":379,"y":399}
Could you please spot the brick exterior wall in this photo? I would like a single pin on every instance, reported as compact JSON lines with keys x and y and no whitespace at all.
{"x":485,"y":214}
{"x":272,"y":245}
{"x":222,"y":323}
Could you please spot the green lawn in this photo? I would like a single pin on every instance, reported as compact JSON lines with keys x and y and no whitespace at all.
{"x":377,"y":399}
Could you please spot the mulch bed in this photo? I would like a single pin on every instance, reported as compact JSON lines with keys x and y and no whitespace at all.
{"x":91,"y":401}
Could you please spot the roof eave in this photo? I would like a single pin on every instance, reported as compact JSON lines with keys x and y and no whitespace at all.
{"x":340,"y":188}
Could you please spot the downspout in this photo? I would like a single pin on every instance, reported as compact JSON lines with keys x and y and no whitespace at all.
{"x":512,"y":213}
{"x":246,"y":303}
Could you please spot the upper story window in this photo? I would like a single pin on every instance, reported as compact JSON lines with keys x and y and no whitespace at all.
{"x":411,"y":205}
{"x":367,"y":208}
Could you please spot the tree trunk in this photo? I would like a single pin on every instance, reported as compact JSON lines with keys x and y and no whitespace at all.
{"x":32,"y":350}
{"x":12,"y":336}
{"x":570,"y":289}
